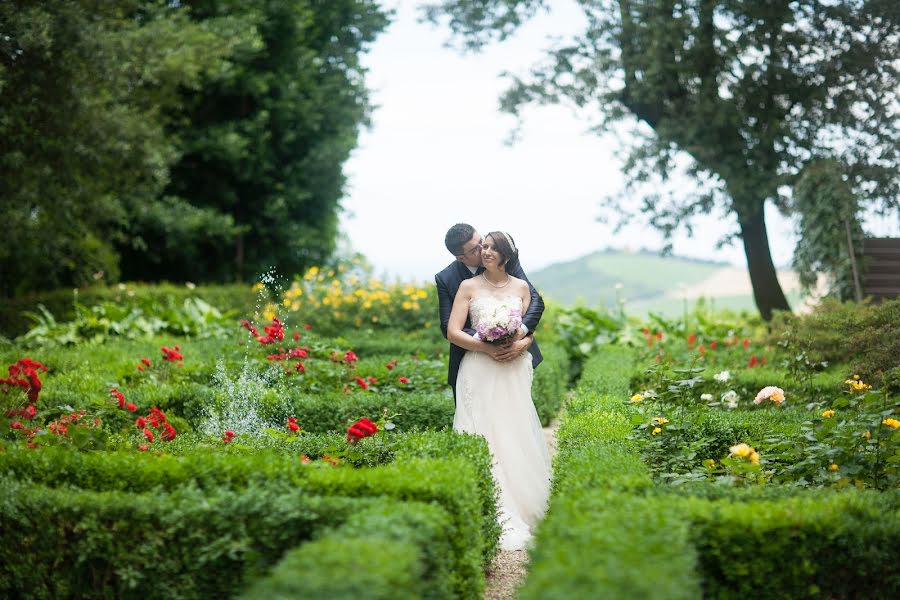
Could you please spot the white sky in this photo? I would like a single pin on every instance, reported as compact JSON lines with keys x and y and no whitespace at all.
{"x":435,"y":156}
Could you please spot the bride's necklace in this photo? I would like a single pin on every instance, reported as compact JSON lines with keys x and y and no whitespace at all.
{"x":504,"y":284}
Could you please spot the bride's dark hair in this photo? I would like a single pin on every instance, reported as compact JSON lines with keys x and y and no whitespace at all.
{"x":506,"y":246}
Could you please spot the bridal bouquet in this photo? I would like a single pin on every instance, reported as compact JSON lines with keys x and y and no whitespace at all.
{"x":500,"y":325}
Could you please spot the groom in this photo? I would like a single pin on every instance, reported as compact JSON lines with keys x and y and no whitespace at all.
{"x":464,"y":243}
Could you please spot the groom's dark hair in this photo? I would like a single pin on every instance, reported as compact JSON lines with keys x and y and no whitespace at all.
{"x":457,"y":236}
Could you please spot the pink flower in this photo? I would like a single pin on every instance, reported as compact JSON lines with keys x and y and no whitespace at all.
{"x":770,"y":392}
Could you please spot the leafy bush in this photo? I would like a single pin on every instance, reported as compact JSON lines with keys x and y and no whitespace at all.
{"x":61,"y":303}
{"x":200,"y":543}
{"x":391,"y":550}
{"x":867,"y":336}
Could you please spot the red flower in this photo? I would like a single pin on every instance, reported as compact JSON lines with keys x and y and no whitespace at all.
{"x":403,"y":379}
{"x":659,"y":335}
{"x":15,"y":425}
{"x":746,"y":342}
{"x":229,"y":434}
{"x":713,"y":345}
{"x":702,"y":349}
{"x":292,"y":419}
{"x":307,"y":326}
{"x":299,"y":367}
{"x":362,"y":382}
{"x":148,"y":434}
{"x":367,"y":425}
{"x":130,"y":407}
{"x":172,"y":354}
{"x":359,"y":430}
{"x":30,"y":412}
{"x":305,"y":459}
{"x":372,"y":379}
{"x":391,"y":364}
{"x":140,"y":422}
{"x":143,"y":447}
{"x":140,"y":367}
{"x":350,"y":357}
{"x":691,"y":340}
{"x":293,"y":426}
{"x":168,"y":433}
{"x":752,"y":362}
{"x":146,"y":361}
{"x":296,"y":335}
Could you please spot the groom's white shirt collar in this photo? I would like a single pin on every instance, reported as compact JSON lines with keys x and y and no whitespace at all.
{"x":473,"y":270}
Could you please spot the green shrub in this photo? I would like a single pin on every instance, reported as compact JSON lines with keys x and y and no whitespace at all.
{"x":790,"y":544}
{"x":391,"y":550}
{"x":865,"y":335}
{"x":550,"y":382}
{"x":182,"y":543}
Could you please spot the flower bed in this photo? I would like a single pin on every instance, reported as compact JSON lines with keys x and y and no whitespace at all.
{"x":610,"y":523}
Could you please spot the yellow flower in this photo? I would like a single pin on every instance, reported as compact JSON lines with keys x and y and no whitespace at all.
{"x":892,"y":423}
{"x":833,"y":467}
{"x":710,"y":463}
{"x":754,"y":457}
{"x":777,"y":397}
{"x":637,"y":398}
{"x":258,"y":286}
{"x":656,"y":430}
{"x":856,"y":377}
{"x":662,"y":420}
{"x":867,"y":434}
{"x":741,"y":450}
{"x":828,"y":414}
{"x":421,"y":294}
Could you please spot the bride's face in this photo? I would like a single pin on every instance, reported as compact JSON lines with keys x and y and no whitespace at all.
{"x":490,"y":256}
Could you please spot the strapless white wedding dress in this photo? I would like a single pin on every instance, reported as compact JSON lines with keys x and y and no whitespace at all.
{"x":494,"y":400}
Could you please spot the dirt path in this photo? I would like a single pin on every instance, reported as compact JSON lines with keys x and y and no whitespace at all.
{"x":507,"y":572}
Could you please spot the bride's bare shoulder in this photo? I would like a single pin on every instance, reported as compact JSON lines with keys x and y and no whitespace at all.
{"x":520,"y":284}
{"x":467,"y":287}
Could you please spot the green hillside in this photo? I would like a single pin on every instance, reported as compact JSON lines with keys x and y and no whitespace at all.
{"x":644,"y":276}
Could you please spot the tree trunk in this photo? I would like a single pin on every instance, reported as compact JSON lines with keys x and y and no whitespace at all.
{"x":767,"y":291}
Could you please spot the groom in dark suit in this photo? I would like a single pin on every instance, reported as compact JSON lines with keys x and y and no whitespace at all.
{"x":464,"y":243}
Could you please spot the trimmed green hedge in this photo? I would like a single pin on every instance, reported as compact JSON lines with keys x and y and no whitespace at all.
{"x":550,"y":382}
{"x":182,"y":543}
{"x":612,"y":532}
{"x":449,"y":469}
{"x":391,"y":550}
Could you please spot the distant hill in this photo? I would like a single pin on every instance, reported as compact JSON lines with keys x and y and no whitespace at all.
{"x":647,"y":281}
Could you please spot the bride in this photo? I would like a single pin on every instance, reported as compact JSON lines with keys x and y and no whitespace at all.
{"x":494,"y":396}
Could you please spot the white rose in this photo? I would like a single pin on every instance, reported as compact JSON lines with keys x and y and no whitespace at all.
{"x":723,"y":376}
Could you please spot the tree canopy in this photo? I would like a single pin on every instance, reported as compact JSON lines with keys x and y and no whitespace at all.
{"x":751,"y":92}
{"x":193,"y":140}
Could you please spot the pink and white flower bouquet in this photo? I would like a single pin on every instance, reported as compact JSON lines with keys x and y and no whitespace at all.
{"x":500,"y":325}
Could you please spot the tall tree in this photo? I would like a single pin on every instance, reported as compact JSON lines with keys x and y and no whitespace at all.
{"x":750,"y":90}
{"x":82,"y":83}
{"x":264,"y":141}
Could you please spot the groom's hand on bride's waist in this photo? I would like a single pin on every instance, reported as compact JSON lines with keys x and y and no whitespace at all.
{"x":513,"y":349}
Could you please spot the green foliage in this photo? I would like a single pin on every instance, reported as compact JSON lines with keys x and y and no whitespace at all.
{"x":201,"y":543}
{"x":829,"y":224}
{"x":264,"y":140}
{"x":551,"y":382}
{"x":866,"y":336}
{"x":81,"y":151}
{"x":715,"y":81}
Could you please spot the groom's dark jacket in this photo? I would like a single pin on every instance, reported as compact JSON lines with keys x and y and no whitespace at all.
{"x":448,"y":282}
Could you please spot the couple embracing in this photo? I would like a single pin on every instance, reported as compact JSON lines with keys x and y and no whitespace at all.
{"x":489,"y":312}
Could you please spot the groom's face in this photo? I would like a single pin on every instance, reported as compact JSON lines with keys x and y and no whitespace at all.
{"x":471,"y":255}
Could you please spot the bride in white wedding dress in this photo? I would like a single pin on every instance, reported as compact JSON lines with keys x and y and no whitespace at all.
{"x":494,"y":396}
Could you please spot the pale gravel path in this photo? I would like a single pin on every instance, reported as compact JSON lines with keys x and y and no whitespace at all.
{"x":507,"y":572}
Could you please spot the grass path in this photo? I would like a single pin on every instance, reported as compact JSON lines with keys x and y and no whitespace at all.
{"x":507,"y":572}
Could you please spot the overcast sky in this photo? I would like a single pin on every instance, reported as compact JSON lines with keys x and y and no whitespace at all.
{"x":435,"y":156}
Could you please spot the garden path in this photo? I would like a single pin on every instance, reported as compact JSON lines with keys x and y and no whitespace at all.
{"x":507,"y":572}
